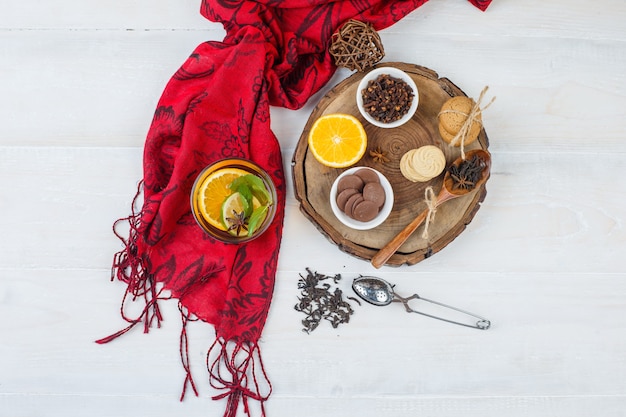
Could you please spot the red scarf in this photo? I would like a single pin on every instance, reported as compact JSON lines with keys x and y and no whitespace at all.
{"x":216,"y":106}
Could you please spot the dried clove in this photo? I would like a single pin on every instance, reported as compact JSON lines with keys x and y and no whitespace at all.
{"x":387,"y":98}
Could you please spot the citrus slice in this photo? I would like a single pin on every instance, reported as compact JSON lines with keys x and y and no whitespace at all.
{"x":337,"y":140}
{"x":214,"y":191}
{"x":234,"y":216}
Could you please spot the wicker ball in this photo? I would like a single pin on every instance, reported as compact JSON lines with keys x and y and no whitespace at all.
{"x":356,"y":46}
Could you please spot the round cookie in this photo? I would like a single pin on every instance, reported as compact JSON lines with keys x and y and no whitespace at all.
{"x":449,"y":137}
{"x":352,"y":202}
{"x":453,"y":115}
{"x":422,"y":164}
{"x":350,"y":181}
{"x":428,"y":161}
{"x":375,"y":193}
{"x":367,"y":175}
{"x":342,"y":197}
{"x":365,"y":211}
{"x":407,"y":169}
{"x":445,"y":135}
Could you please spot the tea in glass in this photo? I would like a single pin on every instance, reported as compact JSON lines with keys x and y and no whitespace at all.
{"x":233,"y":200}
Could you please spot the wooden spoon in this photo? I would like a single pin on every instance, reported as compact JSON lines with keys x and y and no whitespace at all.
{"x":448,"y":192}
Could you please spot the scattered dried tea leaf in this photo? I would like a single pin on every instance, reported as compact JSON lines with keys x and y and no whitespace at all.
{"x":319,"y":301}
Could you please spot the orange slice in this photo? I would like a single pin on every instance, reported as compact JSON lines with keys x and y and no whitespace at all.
{"x":337,"y":140}
{"x":214,"y":191}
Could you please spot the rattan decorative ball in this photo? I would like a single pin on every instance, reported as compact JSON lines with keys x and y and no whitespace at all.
{"x":356,"y":46}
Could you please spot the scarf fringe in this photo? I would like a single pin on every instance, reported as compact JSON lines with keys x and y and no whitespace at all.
{"x":184,"y":352}
{"x":128,"y":267}
{"x":238,"y":370}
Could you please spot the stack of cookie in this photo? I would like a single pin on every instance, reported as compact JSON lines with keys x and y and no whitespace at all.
{"x":453,"y":115}
{"x":422,"y":164}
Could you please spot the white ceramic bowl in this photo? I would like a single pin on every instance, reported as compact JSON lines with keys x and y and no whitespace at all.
{"x":355,"y":224}
{"x":396,"y":73}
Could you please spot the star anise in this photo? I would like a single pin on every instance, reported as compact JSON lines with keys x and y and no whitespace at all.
{"x":238,"y":222}
{"x":379,"y":155}
{"x":462,"y":182}
{"x":467,"y":173}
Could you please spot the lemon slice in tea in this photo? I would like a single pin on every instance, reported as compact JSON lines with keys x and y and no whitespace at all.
{"x":234,"y":217}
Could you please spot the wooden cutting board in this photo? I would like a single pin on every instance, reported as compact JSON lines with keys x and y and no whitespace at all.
{"x":312,"y":180}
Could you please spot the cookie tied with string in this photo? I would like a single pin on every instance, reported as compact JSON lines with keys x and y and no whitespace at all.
{"x":454,"y":114}
{"x":460,"y":120}
{"x":356,"y":46}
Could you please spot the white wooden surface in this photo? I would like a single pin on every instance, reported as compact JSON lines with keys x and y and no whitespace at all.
{"x":543,"y":258}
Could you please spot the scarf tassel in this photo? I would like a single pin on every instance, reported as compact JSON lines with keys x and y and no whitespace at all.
{"x":237,"y":366}
{"x":140,"y":285}
{"x":238,"y":370}
{"x":184,"y":352}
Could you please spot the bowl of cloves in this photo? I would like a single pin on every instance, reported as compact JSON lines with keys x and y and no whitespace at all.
{"x":387,"y":97}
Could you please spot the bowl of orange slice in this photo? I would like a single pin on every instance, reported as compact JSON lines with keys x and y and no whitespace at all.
{"x":233,"y":200}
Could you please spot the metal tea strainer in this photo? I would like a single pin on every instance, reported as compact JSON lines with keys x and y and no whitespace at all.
{"x":379,"y":292}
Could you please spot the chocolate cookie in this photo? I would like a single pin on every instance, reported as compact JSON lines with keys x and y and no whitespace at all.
{"x":367,"y":175}
{"x":375,"y":193}
{"x":342,"y":197}
{"x":350,"y":181}
{"x":365,"y":211}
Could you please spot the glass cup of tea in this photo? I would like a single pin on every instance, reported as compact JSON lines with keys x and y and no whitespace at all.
{"x":233,"y":200}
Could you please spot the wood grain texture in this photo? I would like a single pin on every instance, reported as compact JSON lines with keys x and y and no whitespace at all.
{"x":313,"y":180}
{"x":544,"y":259}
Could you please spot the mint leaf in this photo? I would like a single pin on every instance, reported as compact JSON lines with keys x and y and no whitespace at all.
{"x":256,"y":185}
{"x":246,"y":195}
{"x":259,"y":190}
{"x":238,"y":182}
{"x":256,"y":219}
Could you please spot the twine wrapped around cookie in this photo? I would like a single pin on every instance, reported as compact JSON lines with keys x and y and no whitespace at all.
{"x":356,"y":45}
{"x":471,"y":118}
{"x":431,"y":202}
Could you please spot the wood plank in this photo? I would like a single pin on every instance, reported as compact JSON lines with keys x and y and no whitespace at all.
{"x":533,"y":210}
{"x":116,"y":14}
{"x":125,"y":406}
{"x":110,"y":83}
{"x":540,"y":342}
{"x":444,"y":18}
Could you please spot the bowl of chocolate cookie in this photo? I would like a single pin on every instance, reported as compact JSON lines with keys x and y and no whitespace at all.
{"x":361,"y":198}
